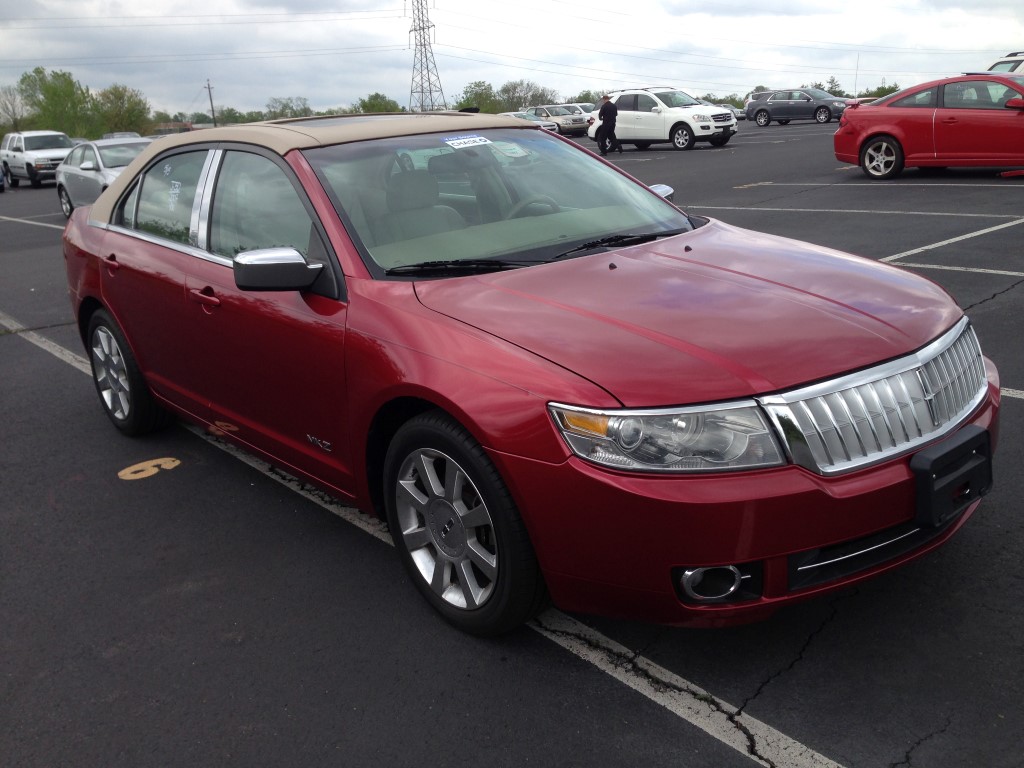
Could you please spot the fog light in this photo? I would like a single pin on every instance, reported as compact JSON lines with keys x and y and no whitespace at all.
{"x":719,"y":582}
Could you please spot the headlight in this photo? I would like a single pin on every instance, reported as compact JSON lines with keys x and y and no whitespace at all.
{"x":701,"y":118}
{"x":700,"y":439}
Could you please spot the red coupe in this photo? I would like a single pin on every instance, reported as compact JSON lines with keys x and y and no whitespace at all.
{"x":969,"y":121}
{"x":549,"y":390}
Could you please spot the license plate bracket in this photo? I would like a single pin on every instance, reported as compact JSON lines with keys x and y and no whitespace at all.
{"x":951,"y":475}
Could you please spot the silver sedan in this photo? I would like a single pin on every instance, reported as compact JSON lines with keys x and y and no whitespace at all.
{"x":90,"y":167}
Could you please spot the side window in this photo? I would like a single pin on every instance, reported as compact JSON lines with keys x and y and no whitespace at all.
{"x":920,"y":99}
{"x":75,"y":158}
{"x":626,"y":102}
{"x":645,"y":103}
{"x":973,"y":94}
{"x":255,"y":206}
{"x":167,"y":196}
{"x":89,"y":156}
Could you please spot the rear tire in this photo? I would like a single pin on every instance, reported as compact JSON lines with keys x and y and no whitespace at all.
{"x":123,"y":391}
{"x":457,"y":529}
{"x":881,"y":157}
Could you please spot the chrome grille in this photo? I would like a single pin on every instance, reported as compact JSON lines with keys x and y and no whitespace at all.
{"x":846,"y":423}
{"x":722,"y":118}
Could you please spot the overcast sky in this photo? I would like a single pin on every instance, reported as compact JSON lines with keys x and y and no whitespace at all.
{"x":334,"y":53}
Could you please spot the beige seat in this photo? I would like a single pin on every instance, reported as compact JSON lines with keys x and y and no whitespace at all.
{"x":413,"y":210}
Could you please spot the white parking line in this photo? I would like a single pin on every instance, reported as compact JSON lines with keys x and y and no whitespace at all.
{"x":1017,"y":220}
{"x":23,"y":220}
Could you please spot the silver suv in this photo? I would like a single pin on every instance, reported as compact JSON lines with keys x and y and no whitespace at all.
{"x":33,"y":155}
{"x":665,"y":114}
{"x":569,"y":123}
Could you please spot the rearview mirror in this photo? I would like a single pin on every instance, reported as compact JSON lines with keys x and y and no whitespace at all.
{"x":274,"y":269}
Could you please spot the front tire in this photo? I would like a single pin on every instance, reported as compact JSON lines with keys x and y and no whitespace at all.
{"x":719,"y":141}
{"x":65,"y":202}
{"x":682,"y":137}
{"x":123,"y":391}
{"x":881,"y":158}
{"x":457,"y":529}
{"x":11,"y":181}
{"x":823,"y":114}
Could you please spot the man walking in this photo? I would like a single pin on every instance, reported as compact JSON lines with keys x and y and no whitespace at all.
{"x":605,"y":133}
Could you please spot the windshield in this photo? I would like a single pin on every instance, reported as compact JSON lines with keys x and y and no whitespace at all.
{"x":55,"y":141}
{"x":677,"y":99}
{"x":509,"y":194}
{"x":119,"y":155}
{"x":817,"y":93}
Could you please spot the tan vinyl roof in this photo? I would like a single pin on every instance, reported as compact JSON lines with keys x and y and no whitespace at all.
{"x":283,"y":136}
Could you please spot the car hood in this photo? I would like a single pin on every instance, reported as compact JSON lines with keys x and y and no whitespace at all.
{"x":49,"y":154}
{"x":712,"y":314}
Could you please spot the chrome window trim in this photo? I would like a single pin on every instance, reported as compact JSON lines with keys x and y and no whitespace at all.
{"x":197,"y":234}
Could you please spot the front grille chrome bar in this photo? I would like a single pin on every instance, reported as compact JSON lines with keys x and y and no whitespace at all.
{"x":872,"y":415}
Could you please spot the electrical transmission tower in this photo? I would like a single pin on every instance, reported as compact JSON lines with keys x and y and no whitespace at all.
{"x":426,"y":94}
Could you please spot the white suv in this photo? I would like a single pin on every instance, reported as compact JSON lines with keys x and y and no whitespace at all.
{"x":1011,"y":62}
{"x":665,"y":114}
{"x":33,"y":155}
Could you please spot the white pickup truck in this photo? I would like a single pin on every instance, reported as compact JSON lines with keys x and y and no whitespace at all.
{"x":33,"y":155}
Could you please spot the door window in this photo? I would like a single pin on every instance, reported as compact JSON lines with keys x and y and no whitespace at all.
{"x":167,"y":196}
{"x":645,"y":103}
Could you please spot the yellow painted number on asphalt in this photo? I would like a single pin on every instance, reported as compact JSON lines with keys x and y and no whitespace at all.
{"x":147,"y":468}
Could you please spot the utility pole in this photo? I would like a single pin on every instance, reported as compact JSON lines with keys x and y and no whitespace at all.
{"x":209,"y":90}
{"x":425,"y":94}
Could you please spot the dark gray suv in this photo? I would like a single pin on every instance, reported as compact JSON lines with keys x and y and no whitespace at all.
{"x":796,"y":104}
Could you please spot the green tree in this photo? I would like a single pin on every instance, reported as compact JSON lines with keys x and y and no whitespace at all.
{"x":377,"y":102}
{"x":478,"y":94}
{"x":586,"y":97}
{"x":292,"y":106}
{"x":879,"y":92}
{"x":120,"y":108}
{"x":59,"y":102}
{"x":833,"y":87}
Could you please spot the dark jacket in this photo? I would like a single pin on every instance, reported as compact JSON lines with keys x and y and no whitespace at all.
{"x":608,"y":113}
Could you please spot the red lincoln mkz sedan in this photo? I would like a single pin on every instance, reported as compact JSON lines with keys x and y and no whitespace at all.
{"x":550,"y":391}
{"x":976,"y":120}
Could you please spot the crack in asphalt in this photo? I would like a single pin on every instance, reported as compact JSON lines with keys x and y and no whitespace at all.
{"x":995,"y":295}
{"x":631,"y":662}
{"x":6,"y":330}
{"x":909,"y":754}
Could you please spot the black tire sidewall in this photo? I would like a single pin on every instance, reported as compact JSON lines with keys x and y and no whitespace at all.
{"x":518,"y":583}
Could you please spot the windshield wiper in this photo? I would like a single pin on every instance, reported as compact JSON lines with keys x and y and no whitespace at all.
{"x":632,"y":238}
{"x":458,"y":265}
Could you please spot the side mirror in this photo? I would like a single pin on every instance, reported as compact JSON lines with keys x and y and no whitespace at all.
{"x":664,"y":190}
{"x":656,"y":110}
{"x":1015,"y":103}
{"x":274,"y":269}
{"x":88,"y":165}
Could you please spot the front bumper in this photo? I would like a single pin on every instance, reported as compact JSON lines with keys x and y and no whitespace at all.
{"x":616,"y":544}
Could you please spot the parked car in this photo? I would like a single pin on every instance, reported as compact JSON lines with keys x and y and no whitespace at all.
{"x":585,"y":106}
{"x":1011,"y":62}
{"x":568,"y":123}
{"x":665,"y":114}
{"x":33,"y":156}
{"x":795,"y":104}
{"x":546,"y":388}
{"x":970,"y":120}
{"x":547,"y":125}
{"x":90,"y":167}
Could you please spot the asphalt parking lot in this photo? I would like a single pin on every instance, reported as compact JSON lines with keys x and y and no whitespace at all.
{"x":167,"y":602}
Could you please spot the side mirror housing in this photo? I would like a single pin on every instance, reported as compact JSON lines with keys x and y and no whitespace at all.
{"x":274,"y":269}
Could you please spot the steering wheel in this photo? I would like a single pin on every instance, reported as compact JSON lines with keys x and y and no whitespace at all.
{"x":522,"y":205}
